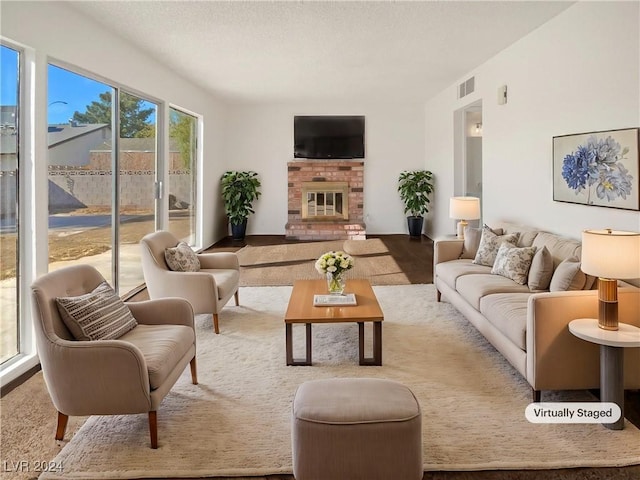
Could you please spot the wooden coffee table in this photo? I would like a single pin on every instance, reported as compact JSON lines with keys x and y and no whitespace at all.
{"x":301,"y":310}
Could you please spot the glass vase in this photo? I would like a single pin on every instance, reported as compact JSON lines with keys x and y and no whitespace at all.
{"x":335,"y":283}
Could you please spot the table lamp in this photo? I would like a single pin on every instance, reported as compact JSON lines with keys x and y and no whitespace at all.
{"x":610,"y":255}
{"x":463,"y":209}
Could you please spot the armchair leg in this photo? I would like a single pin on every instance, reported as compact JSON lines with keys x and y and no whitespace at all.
{"x":237,"y":298}
{"x":153,"y":428}
{"x":438,"y":296}
{"x":215,"y":323}
{"x":194,"y":373}
{"x":62,"y":426}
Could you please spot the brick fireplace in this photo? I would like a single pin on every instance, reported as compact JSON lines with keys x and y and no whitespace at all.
{"x":326,"y":200}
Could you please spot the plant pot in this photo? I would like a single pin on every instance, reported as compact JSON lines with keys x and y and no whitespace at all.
{"x":239,"y":230}
{"x":415,"y":226}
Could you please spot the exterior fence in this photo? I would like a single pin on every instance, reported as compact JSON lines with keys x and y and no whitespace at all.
{"x":71,"y":188}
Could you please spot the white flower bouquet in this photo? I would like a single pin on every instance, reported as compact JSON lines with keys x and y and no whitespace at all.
{"x":335,"y":263}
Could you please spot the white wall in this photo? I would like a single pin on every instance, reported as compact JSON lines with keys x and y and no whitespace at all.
{"x":59,"y":32}
{"x":580,"y":72}
{"x":260,"y":138}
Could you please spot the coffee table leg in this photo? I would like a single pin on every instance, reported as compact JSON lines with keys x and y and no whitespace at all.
{"x":377,"y":344}
{"x":289,"y":345}
{"x":308,"y":333}
{"x":361,"y":343}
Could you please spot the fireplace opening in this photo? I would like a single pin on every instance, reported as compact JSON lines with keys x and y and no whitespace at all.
{"x":325,"y":200}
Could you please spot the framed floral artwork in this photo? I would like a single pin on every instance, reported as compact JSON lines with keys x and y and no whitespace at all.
{"x":598,"y":168}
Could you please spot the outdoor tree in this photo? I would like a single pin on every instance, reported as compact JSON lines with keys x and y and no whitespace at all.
{"x":134,"y":122}
{"x":133,"y":117}
{"x":182,"y":130}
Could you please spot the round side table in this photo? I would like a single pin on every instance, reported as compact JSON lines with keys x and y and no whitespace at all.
{"x":612,"y":343}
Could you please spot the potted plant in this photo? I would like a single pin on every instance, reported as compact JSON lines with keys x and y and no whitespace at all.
{"x":239,"y":191}
{"x":414,"y":188}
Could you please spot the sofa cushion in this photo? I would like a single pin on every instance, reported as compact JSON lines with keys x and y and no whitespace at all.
{"x":98,"y":315}
{"x":449,"y":271}
{"x":525,"y":239}
{"x":473,"y":287}
{"x":568,"y":276}
{"x":226,"y":280}
{"x":472,"y":238}
{"x":182,"y":258}
{"x":541,"y":270}
{"x":162,"y":346}
{"x":513,"y":262}
{"x":489,"y":244}
{"x":508,"y":313}
{"x":560,"y":248}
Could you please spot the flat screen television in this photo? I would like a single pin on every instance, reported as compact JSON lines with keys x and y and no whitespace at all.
{"x":328,"y":136}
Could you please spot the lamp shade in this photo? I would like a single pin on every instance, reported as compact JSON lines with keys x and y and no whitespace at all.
{"x":611,"y":254}
{"x":464,"y":208}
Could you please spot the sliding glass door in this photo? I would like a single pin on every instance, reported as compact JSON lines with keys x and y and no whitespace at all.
{"x":9,"y":215}
{"x":137,"y":160}
{"x":101,"y":185}
{"x":80,"y":171}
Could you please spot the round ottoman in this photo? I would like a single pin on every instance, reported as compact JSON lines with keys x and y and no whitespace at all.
{"x":356,"y":428}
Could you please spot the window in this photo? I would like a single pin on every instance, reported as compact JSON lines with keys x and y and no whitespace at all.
{"x":183,"y":134}
{"x":9,"y":208}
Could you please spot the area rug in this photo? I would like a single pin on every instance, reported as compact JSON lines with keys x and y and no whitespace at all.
{"x":277,"y":265}
{"x":237,"y":420}
{"x":252,"y":255}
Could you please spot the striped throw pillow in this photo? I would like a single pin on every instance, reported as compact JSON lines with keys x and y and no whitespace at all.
{"x":97,"y":315}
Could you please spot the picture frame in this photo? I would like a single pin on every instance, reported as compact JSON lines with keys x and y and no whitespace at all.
{"x":599,"y":169}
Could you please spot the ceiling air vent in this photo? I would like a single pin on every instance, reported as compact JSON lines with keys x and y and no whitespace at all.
{"x":465,"y":88}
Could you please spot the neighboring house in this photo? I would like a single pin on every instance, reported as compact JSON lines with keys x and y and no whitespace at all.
{"x":8,"y":137}
{"x":71,"y":144}
{"x":69,"y":148}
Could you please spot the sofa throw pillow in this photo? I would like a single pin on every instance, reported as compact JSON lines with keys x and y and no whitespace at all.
{"x":513,"y":262}
{"x":472,"y":238}
{"x":541,"y":270}
{"x":489,"y":245}
{"x":182,"y":258}
{"x":568,"y":276}
{"x":97,"y":315}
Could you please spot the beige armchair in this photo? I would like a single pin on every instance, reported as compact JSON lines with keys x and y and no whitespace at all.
{"x":208,"y":290}
{"x":131,"y":374}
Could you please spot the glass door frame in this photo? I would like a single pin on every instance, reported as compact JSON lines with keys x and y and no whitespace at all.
{"x":161,"y":139}
{"x":19,"y":288}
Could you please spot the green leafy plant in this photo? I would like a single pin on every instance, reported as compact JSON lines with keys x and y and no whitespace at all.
{"x":239,"y":191}
{"x":414,"y":188}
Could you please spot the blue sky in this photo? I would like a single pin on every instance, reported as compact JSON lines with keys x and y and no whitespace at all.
{"x":76,"y":91}
{"x":9,"y":70}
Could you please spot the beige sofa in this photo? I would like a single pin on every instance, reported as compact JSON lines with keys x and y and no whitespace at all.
{"x":529,"y":328}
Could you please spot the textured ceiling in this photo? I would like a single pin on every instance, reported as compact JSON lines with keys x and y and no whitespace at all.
{"x":320,"y":51}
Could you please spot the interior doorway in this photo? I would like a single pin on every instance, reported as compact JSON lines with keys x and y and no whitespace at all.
{"x":473,"y":152}
{"x":468,"y":151}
